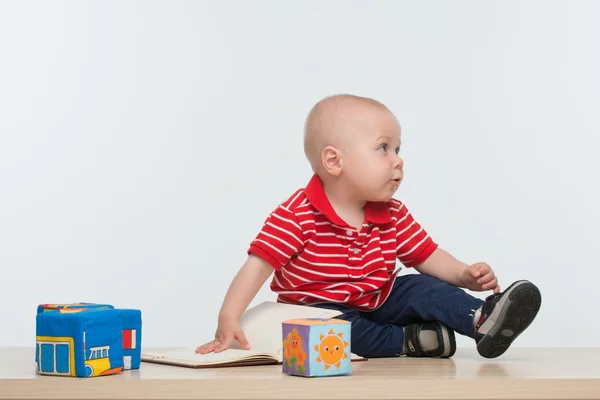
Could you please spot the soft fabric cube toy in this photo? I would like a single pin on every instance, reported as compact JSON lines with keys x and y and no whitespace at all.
{"x":126,"y":324}
{"x":81,"y":344}
{"x":316,"y":347}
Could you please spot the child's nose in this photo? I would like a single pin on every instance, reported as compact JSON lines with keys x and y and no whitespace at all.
{"x":398,"y":162}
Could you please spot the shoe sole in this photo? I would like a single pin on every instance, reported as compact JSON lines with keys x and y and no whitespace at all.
{"x":513,"y":313}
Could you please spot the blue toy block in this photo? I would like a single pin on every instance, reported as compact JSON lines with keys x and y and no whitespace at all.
{"x":316,"y":347}
{"x":68,"y":308}
{"x":132,"y":338}
{"x":80,"y":343}
{"x":130,"y":323}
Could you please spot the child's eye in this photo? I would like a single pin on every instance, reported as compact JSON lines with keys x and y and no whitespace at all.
{"x":383,"y":147}
{"x":397,"y":150}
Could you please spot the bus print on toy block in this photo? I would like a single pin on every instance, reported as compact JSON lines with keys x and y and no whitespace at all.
{"x":79,"y":344}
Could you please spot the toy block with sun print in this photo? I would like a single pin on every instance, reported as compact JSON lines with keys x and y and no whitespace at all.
{"x":87,"y":339}
{"x":316,"y":347}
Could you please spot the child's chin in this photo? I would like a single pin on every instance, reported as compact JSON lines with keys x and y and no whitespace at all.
{"x":382,"y":199}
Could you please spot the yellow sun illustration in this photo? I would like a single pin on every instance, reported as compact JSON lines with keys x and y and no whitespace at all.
{"x":331,"y":349}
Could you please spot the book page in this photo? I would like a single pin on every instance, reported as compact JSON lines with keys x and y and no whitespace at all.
{"x":189,"y":356}
{"x":262,"y":324}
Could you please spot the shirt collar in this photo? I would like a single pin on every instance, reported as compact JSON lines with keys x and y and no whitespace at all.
{"x":375,"y":212}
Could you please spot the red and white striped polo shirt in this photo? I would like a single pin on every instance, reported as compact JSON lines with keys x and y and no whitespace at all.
{"x":319,"y":258}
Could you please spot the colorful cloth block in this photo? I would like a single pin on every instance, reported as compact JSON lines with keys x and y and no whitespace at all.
{"x":64,"y":345}
{"x":81,"y":344}
{"x":316,"y":347}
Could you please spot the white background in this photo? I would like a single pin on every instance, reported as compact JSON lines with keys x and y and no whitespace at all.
{"x":142,"y":145}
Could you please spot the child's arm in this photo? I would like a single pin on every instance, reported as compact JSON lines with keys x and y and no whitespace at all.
{"x":442,"y":265}
{"x":242,"y":290}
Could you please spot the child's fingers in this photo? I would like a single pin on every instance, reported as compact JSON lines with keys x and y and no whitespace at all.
{"x":486,"y":278}
{"x":223,"y":343}
{"x":222,"y":346}
{"x":484,"y":269}
{"x":491,"y":285}
{"x":478,"y":270}
{"x":475,"y":273}
{"x":241,"y":338}
{"x":206,"y":348}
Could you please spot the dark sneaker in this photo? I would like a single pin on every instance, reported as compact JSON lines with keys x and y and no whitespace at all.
{"x":504,"y":316}
{"x":429,"y":339}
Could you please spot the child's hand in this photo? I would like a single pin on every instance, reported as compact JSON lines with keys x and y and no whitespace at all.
{"x":479,"y":277}
{"x":226,"y":332}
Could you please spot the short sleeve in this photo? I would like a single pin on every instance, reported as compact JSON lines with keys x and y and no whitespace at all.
{"x":413,"y":243}
{"x":280,"y":238}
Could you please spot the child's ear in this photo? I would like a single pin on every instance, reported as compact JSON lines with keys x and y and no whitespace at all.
{"x":332,"y":160}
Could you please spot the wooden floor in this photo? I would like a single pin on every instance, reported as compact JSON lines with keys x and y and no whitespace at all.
{"x":566,"y":373}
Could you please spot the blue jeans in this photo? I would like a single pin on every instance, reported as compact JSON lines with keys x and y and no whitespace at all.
{"x":414,"y":298}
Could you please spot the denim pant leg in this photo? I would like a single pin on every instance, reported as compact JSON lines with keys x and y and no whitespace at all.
{"x":414,"y":298}
{"x":419,"y":297}
{"x":368,"y":338}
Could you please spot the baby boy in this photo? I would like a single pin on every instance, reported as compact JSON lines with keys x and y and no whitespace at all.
{"x":335,"y":244}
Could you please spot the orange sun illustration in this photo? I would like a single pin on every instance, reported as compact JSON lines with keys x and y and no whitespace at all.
{"x":331,"y":349}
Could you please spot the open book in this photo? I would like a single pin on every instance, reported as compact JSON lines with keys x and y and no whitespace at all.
{"x":261,"y":325}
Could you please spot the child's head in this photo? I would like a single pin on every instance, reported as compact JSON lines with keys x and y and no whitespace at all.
{"x":353,"y":142}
